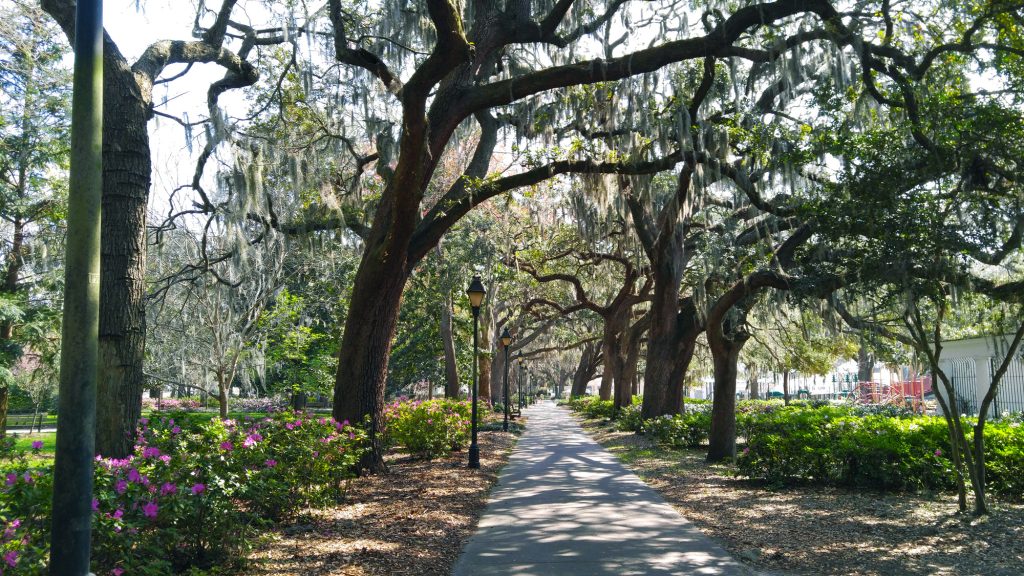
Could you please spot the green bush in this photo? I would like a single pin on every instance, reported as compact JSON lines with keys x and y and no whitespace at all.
{"x":832,"y":445}
{"x":429,"y":428}
{"x":1004,"y":458}
{"x":688,"y":430}
{"x":592,"y":406}
{"x":629,"y":418}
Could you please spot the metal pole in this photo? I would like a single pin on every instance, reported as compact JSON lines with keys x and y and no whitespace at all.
{"x":474,"y":450}
{"x":520,"y":383}
{"x":76,"y":424}
{"x":504,"y":425}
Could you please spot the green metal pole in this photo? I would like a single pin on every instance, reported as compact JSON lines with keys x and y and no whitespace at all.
{"x":76,"y":424}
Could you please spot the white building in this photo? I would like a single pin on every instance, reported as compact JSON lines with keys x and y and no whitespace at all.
{"x":970,"y":364}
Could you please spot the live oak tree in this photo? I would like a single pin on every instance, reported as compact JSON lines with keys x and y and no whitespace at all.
{"x":129,"y":105}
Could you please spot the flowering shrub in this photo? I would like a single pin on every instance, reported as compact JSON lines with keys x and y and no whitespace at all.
{"x":429,"y":428}
{"x":188,"y":497}
{"x":171,"y":404}
{"x":268,"y":405}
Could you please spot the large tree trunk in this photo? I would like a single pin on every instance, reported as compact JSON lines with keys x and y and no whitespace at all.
{"x":222,"y":394}
{"x":584,"y":371}
{"x":366,"y":345}
{"x":126,"y":179}
{"x":670,"y":348}
{"x":725,"y":340}
{"x":451,"y":369}
{"x":755,"y":387}
{"x":865,"y":364}
{"x":785,"y":387}
{"x":626,"y":381}
{"x":484,"y":367}
{"x":611,"y":350}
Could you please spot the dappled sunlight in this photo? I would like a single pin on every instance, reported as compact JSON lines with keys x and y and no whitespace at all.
{"x":409,"y":521}
{"x":565,"y":505}
{"x":825,"y":530}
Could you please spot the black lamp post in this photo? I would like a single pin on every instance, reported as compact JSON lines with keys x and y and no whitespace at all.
{"x":506,"y":341}
{"x":476,"y":294}
{"x":520,"y":380}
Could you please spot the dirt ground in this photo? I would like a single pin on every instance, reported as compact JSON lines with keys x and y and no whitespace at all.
{"x":818,"y":530}
{"x":412,"y":520}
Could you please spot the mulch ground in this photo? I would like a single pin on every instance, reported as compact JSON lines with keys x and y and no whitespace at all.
{"x":412,"y":520}
{"x":819,"y":530}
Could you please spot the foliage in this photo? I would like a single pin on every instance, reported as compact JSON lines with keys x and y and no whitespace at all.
{"x":687,"y":430}
{"x":298,"y":351}
{"x":428,"y":428}
{"x":835,"y":446}
{"x":629,"y":417}
{"x":592,"y":406}
{"x":171,"y":404}
{"x":188,"y":498}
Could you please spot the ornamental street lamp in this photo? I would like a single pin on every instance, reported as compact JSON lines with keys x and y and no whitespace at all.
{"x":506,"y":341}
{"x":476,"y":294}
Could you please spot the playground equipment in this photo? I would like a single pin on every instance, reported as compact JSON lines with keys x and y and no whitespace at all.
{"x":909,"y":393}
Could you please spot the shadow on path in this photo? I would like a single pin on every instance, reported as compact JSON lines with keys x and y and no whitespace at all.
{"x":564,"y":505}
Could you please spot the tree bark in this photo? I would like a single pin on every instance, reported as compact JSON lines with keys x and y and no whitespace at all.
{"x":670,"y":347}
{"x":865,"y":364}
{"x":626,"y":381}
{"x":755,"y":387}
{"x":725,"y":339}
{"x":222,"y":394}
{"x":451,"y":369}
{"x":785,"y":387}
{"x":366,"y":345}
{"x":584,"y":370}
{"x":126,"y":179}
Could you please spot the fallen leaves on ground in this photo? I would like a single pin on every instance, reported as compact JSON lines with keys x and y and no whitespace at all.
{"x":822,"y":530}
{"x":412,"y":520}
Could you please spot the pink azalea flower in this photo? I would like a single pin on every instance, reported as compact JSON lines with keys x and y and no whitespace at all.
{"x":175,"y":430}
{"x":118,"y":514}
{"x":11,"y":558}
{"x":95,"y":505}
{"x":270,"y":463}
{"x":168,"y":488}
{"x":117,"y":571}
{"x":151,"y":452}
{"x":149,"y":509}
{"x":121,"y":486}
{"x":198,"y":488}
{"x":289,"y":426}
{"x":11,"y":478}
{"x":28,"y":477}
{"x":165,"y":459}
{"x":227,"y":446}
{"x":938,"y":452}
{"x":134,"y":476}
{"x":37,"y":446}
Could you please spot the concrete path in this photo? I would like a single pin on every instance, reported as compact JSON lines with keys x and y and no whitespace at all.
{"x":566,"y":506}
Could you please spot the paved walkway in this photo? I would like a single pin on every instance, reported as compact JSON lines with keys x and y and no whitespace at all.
{"x":566,"y":506}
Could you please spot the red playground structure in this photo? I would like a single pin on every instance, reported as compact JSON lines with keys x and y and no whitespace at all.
{"x":903,"y":393}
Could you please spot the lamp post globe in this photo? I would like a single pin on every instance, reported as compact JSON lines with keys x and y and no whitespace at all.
{"x":476,"y":295}
{"x":506,"y":341}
